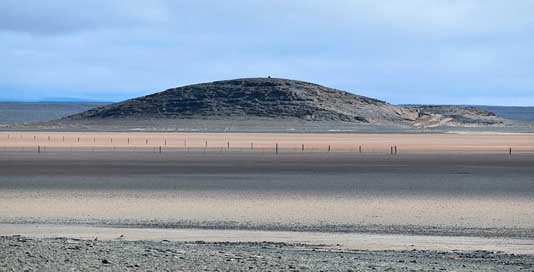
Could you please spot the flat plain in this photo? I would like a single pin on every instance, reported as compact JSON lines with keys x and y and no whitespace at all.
{"x":434,"y":185}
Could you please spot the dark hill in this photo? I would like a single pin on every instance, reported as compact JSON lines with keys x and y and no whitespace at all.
{"x":270,"y":104}
{"x":254,"y":97}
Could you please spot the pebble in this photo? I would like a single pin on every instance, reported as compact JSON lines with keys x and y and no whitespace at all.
{"x":19,"y":254}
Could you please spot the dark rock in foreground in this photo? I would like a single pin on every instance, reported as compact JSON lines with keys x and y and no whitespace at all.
{"x":61,"y":254}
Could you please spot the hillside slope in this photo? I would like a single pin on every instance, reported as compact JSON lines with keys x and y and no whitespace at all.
{"x":255,"y":97}
{"x":273,"y":104}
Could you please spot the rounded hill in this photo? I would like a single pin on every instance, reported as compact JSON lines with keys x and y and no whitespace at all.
{"x":270,"y":98}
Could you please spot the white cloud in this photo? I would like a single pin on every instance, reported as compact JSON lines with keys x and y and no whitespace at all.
{"x":394,"y":50}
{"x":58,"y":17}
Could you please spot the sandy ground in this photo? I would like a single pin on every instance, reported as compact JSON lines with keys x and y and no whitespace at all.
{"x":475,"y":195}
{"x":456,"y":186}
{"x":339,"y":240}
{"x":266,"y":142}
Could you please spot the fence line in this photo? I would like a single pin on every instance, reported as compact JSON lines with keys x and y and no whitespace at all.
{"x":276,"y":149}
{"x":71,"y":143}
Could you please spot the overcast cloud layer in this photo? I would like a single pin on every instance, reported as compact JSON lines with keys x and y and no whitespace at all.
{"x":417,"y":51}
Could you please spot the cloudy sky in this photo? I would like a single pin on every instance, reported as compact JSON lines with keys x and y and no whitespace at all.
{"x":415,"y":51}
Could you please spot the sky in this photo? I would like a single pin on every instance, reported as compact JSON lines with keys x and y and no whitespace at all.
{"x":414,"y":51}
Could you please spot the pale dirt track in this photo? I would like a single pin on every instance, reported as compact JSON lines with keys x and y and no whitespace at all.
{"x":266,"y":142}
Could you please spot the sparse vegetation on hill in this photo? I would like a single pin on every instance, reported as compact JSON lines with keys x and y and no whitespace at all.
{"x":272,"y":104}
{"x":255,"y":97}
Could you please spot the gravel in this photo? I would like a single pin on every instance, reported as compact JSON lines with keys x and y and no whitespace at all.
{"x":61,"y":254}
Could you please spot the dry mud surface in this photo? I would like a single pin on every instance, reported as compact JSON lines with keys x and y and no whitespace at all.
{"x":469,"y":195}
{"x":455,"y":185}
{"x":489,"y":195}
{"x":61,"y":254}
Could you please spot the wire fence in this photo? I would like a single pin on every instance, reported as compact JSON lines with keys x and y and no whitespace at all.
{"x":40,"y":143}
{"x":386,"y":150}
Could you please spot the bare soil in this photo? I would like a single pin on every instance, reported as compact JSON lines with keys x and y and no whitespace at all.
{"x":62,"y":254}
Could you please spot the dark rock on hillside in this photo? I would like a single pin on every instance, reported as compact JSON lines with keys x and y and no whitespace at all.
{"x":271,"y":104}
{"x":451,"y":115}
{"x":254,"y":97}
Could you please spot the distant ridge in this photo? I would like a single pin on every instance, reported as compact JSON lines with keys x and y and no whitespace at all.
{"x":12,"y":113}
